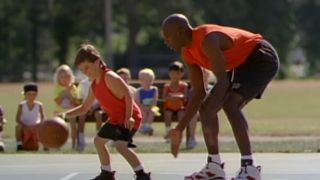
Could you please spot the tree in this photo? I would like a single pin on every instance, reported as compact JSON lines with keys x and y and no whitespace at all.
{"x":308,"y":13}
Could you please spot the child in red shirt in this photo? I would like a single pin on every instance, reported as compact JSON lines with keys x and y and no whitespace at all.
{"x":116,"y":100}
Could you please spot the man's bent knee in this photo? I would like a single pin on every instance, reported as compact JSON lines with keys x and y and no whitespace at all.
{"x":233,"y":102}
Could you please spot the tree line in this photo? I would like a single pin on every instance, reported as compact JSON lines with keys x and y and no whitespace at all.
{"x":38,"y":35}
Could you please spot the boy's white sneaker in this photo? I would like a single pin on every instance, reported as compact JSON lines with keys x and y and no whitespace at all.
{"x":211,"y":171}
{"x":249,"y":173}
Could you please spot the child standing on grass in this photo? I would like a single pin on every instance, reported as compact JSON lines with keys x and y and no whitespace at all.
{"x":2,"y":122}
{"x":66,"y":97}
{"x":124,"y":115}
{"x":147,"y":98}
{"x":174,"y":95}
{"x":29,"y":115}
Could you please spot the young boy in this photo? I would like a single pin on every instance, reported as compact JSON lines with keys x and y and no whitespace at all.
{"x":29,"y":115}
{"x":174,"y":95}
{"x":115,"y":98}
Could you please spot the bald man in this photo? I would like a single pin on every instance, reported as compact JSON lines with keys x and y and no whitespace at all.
{"x":243,"y":63}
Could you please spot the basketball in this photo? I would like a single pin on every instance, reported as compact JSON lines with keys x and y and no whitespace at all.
{"x":53,"y":132}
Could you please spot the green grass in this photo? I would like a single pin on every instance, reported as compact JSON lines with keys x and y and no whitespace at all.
{"x":288,"y":108}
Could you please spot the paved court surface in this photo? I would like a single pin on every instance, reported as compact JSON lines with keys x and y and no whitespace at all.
{"x":163,"y":166}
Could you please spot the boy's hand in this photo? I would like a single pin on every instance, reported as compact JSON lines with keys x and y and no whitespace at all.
{"x":175,"y":136}
{"x":129,"y":123}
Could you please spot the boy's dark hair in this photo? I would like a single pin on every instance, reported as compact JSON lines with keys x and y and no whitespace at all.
{"x":30,"y":87}
{"x":87,"y":52}
{"x":176,"y":66}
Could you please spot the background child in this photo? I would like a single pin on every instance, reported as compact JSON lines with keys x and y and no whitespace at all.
{"x":124,"y":114}
{"x":174,"y":95}
{"x":29,"y":115}
{"x":125,"y":74}
{"x":2,"y":122}
{"x":66,"y":96}
{"x":147,"y":98}
{"x":95,"y":111}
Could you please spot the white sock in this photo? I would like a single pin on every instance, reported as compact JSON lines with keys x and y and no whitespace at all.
{"x":247,"y":157}
{"x":1,"y":144}
{"x":106,"y":167}
{"x":215,"y":158}
{"x":19,"y":142}
{"x":138,"y":168}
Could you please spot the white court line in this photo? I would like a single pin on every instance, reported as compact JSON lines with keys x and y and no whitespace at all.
{"x":69,"y":176}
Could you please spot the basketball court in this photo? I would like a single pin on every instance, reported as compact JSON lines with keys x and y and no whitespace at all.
{"x":300,"y":166}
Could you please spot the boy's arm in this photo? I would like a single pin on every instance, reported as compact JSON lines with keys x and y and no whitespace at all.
{"x":156,"y":97}
{"x":82,"y":108}
{"x":121,"y":90}
{"x":42,"y":116}
{"x":57,"y":96}
{"x":18,"y":115}
{"x":1,"y":116}
{"x":165,"y":95}
{"x":137,"y":97}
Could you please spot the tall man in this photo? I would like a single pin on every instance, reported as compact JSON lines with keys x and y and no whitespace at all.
{"x":243,"y":63}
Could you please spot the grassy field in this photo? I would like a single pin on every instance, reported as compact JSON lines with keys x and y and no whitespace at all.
{"x":288,"y":108}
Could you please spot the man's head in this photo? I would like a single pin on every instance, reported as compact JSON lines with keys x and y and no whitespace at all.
{"x":177,"y":31}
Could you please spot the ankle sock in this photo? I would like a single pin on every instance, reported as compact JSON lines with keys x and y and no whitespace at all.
{"x":214,"y":158}
{"x":246,"y":160}
{"x":106,"y":168}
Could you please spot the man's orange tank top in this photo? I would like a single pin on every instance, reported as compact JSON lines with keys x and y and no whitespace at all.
{"x":113,"y":106}
{"x":243,"y":44}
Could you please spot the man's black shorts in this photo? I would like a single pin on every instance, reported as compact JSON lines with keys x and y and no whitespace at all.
{"x":117,"y":133}
{"x":251,"y":78}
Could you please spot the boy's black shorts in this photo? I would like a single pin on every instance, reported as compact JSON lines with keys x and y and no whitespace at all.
{"x":117,"y":133}
{"x":251,"y":78}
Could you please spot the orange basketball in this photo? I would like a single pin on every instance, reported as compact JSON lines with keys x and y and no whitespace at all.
{"x":53,"y":132}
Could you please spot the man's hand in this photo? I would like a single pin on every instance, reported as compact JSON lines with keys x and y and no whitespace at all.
{"x":175,"y":136}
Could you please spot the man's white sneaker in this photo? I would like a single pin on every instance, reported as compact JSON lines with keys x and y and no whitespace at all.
{"x":249,"y":173}
{"x":211,"y":171}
